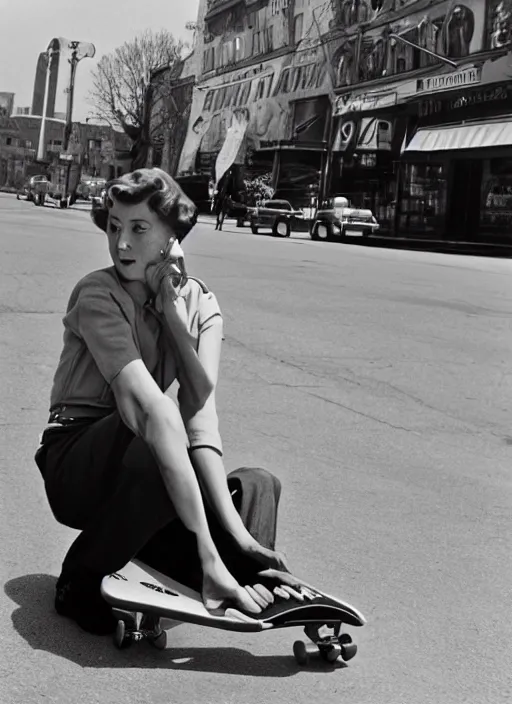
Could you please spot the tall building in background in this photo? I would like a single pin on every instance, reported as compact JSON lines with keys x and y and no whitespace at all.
{"x":40,"y":81}
{"x":59,"y":80}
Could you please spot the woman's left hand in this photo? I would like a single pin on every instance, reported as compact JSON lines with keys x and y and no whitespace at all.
{"x":168,"y":276}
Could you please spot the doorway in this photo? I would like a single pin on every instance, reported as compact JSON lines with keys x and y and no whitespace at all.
{"x":464,"y":200}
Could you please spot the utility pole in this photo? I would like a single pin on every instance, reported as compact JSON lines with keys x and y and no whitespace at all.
{"x":71,"y":94}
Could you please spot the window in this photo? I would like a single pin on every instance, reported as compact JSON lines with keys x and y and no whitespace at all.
{"x":228,"y":53}
{"x":256,"y":43}
{"x":8,"y":141}
{"x":424,"y":197}
{"x":208,"y":59}
{"x":298,"y":25}
{"x":269,"y":37}
{"x":28,"y":144}
{"x":239,"y":48}
{"x":277,"y":5}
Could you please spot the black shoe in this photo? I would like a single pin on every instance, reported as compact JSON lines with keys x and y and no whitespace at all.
{"x":79,"y":598}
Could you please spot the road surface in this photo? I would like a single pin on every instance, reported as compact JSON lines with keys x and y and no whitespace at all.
{"x":377,"y":385}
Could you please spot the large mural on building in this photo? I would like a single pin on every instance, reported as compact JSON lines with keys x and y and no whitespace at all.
{"x":260,"y":97}
{"x":499,"y":24}
{"x":451,"y":29}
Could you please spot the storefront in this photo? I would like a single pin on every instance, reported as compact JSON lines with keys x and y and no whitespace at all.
{"x":456,"y":172}
{"x":368,"y":132}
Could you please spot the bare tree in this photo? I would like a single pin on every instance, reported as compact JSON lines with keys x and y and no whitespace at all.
{"x":123,"y":90}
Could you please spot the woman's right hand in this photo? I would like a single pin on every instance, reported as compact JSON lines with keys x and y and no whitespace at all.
{"x":221,"y":590}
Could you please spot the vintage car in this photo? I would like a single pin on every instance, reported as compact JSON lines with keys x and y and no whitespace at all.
{"x":34,"y":189}
{"x":275,"y":215}
{"x":337,"y":219}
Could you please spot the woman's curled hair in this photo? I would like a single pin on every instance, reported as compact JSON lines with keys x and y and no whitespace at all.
{"x":163,"y":195}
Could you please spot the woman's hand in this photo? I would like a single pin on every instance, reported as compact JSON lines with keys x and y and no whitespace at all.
{"x":167,"y":277}
{"x":221,"y":590}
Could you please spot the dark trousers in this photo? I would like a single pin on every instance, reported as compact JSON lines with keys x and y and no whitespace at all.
{"x":104,"y":481}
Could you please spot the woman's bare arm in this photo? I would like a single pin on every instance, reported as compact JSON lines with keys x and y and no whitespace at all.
{"x":153,"y":416}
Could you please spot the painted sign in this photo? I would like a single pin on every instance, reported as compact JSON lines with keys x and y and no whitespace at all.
{"x":365,"y":134}
{"x":264,"y":94}
{"x":449,"y":81}
{"x":352,"y":102}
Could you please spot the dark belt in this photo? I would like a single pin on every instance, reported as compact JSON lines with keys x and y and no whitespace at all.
{"x":66,"y":415}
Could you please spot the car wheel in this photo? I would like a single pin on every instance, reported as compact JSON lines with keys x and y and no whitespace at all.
{"x":281,"y":228}
{"x":322,"y":232}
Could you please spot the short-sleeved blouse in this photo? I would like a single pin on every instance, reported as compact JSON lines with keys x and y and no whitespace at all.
{"x":106,"y":328}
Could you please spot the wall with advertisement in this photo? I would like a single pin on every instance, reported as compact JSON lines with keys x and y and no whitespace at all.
{"x":446,"y":28}
{"x":261,"y":96}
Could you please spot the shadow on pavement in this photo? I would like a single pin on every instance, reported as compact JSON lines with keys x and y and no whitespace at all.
{"x":36,"y":621}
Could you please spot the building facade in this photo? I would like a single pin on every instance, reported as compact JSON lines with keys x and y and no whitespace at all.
{"x":354,"y":97}
{"x":263,"y":80}
{"x":102,"y":151}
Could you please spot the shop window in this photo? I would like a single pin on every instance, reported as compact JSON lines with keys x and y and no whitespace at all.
{"x":496,"y":200}
{"x":423,"y":200}
{"x":298,"y":28}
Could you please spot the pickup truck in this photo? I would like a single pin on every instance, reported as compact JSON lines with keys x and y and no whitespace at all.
{"x":337,"y":219}
{"x":275,"y":215}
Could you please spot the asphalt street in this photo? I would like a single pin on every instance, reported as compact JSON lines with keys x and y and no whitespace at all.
{"x":376,"y":384}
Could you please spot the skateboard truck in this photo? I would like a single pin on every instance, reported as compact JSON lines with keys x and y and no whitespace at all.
{"x":136,"y":627}
{"x":328,"y":641}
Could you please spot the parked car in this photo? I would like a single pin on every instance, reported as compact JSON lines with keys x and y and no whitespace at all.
{"x":34,"y":189}
{"x":337,"y":219}
{"x":275,"y":215}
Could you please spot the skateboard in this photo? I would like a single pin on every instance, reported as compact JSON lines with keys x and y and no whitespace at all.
{"x":142,"y":597}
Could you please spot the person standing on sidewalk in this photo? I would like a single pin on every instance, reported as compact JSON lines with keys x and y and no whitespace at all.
{"x":137,"y":473}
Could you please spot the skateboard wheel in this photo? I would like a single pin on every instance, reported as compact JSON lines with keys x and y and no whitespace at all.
{"x":344,"y":639}
{"x":160,"y":641}
{"x":348,"y":651}
{"x":121,"y":639}
{"x":300,"y":652}
{"x":330,"y":654}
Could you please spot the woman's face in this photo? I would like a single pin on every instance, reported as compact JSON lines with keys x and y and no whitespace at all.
{"x":136,"y":238}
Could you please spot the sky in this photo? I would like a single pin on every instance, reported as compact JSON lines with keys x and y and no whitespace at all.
{"x":27,"y":27}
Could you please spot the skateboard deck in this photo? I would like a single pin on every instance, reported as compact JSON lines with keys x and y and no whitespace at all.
{"x":145,"y":596}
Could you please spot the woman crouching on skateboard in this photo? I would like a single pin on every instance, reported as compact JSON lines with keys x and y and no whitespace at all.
{"x":122,"y":461}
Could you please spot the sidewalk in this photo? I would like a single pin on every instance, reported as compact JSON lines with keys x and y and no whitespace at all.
{"x":480,"y":249}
